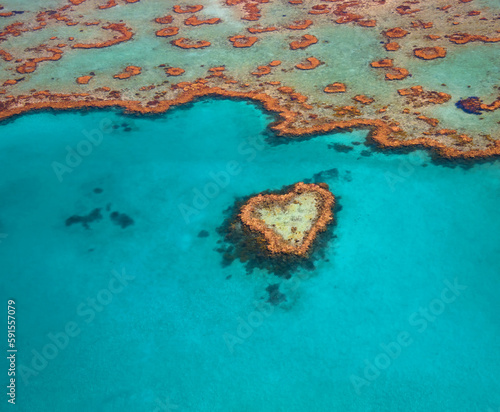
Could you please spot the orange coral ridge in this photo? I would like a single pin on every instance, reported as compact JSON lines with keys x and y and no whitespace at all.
{"x":194,"y":21}
{"x":168,"y":31}
{"x":84,"y":79}
{"x":164,"y":20}
{"x":275,"y":242}
{"x":397,"y":73}
{"x":255,"y":30}
{"x":363,"y":99}
{"x":261,"y":71}
{"x":396,"y":32}
{"x":312,"y":63}
{"x":306,"y":41}
{"x":243,"y":41}
{"x":300,"y":25}
{"x":188,"y":9}
{"x":462,"y":38}
{"x":182,"y":43}
{"x":128,"y":72}
{"x":335,"y":88}
{"x":174,"y":71}
{"x":430,"y":53}
{"x":392,"y":46}
{"x":126,"y":35}
{"x":381,"y":131}
{"x":31,"y":65}
{"x":424,"y":96}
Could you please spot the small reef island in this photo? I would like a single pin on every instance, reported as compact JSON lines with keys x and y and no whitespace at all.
{"x":278,"y":230}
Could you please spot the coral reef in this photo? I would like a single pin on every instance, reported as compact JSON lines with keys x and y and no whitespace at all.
{"x":305,"y":41}
{"x":397,"y":118}
{"x":430,"y":53}
{"x":279,"y":231}
{"x":128,"y":72}
{"x":184,"y":43}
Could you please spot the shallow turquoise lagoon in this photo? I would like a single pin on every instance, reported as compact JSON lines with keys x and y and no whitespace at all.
{"x":402,"y":314}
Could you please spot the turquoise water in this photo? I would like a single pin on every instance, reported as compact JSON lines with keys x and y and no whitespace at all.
{"x":147,"y":319}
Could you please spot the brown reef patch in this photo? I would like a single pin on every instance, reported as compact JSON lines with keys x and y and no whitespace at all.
{"x":310,"y":64}
{"x":168,"y":31}
{"x":418,"y":97}
{"x":165,"y":19}
{"x":194,"y":21}
{"x":262,"y":71}
{"x":243,"y":41}
{"x":335,"y":88}
{"x":126,"y":34}
{"x":361,"y":98}
{"x":184,"y":43}
{"x":300,"y":24}
{"x":187,"y":9}
{"x":395,"y":33}
{"x":392,"y":46}
{"x":430,"y":121}
{"x":430,"y":53}
{"x":319,"y":9}
{"x":128,"y":72}
{"x":306,"y":41}
{"x":174,"y":71}
{"x":397,"y":73}
{"x":108,"y":5}
{"x":382,"y":63}
{"x":84,"y":79}
{"x":256,"y":30}
{"x":6,"y":56}
{"x":31,"y":65}
{"x":463,"y":38}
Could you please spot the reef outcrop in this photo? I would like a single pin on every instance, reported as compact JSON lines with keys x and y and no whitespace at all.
{"x":335,"y":88}
{"x":128,"y":72}
{"x":168,"y":31}
{"x":430,"y":53}
{"x":289,"y":222}
{"x":184,"y":43}
{"x":243,"y":41}
{"x":306,"y":41}
{"x":310,"y":64}
{"x":126,"y":34}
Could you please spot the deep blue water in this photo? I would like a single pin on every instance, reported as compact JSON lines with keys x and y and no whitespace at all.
{"x":401,"y":315}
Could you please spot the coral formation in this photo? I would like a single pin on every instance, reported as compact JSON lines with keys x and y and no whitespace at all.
{"x":128,"y":72}
{"x":430,"y":53}
{"x":305,"y":41}
{"x":289,"y":222}
{"x":311,"y":63}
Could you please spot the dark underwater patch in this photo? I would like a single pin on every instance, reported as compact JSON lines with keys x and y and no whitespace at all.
{"x":121,"y":219}
{"x":85,"y":220}
{"x":341,"y":148}
{"x":275,"y":296}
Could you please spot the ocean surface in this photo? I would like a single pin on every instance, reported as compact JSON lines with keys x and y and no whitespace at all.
{"x":125,"y":307}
